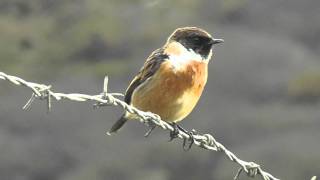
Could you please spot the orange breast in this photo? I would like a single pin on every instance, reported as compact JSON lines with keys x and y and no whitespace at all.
{"x":171,"y":93}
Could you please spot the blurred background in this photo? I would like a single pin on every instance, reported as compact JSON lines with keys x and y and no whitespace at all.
{"x":261,"y":100}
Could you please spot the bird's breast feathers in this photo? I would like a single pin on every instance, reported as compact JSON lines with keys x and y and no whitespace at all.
{"x":174,"y":90}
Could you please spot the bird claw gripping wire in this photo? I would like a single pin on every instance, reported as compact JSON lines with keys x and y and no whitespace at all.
{"x":190,"y":140}
{"x":175,"y":134}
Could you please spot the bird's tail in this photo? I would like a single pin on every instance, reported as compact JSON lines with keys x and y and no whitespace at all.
{"x":117,"y":125}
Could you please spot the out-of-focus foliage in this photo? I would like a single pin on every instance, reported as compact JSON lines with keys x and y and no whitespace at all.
{"x":261,"y":99}
{"x":57,"y":33}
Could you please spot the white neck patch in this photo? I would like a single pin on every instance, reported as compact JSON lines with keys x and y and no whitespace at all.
{"x":184,"y":57}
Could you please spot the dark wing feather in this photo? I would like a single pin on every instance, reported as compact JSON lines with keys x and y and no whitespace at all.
{"x":149,"y":68}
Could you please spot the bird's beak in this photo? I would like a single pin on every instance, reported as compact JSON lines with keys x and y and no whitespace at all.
{"x":217,"y":41}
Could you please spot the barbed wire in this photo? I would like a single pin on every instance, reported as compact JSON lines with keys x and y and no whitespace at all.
{"x":206,"y":141}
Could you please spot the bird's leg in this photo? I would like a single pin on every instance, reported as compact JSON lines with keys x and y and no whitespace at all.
{"x":191,"y":139}
{"x":182,"y":129}
{"x":175,"y":132}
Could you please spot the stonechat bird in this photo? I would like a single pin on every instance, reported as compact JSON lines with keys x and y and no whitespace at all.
{"x":173,"y":77}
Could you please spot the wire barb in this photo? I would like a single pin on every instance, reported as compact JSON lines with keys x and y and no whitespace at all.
{"x":314,"y":178}
{"x":29,"y":102}
{"x":105,"y":85}
{"x":205,"y":141}
{"x":238,"y":174}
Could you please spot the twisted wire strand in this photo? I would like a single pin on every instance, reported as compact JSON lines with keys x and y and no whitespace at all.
{"x":206,"y":141}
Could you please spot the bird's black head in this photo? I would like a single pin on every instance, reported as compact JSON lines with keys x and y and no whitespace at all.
{"x":195,"y":39}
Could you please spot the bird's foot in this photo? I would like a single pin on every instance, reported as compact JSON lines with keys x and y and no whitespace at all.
{"x":175,"y":132}
{"x":190,"y":141}
{"x":187,"y":143}
{"x":187,"y":146}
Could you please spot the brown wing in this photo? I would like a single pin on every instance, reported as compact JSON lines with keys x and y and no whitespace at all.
{"x":149,"y":68}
